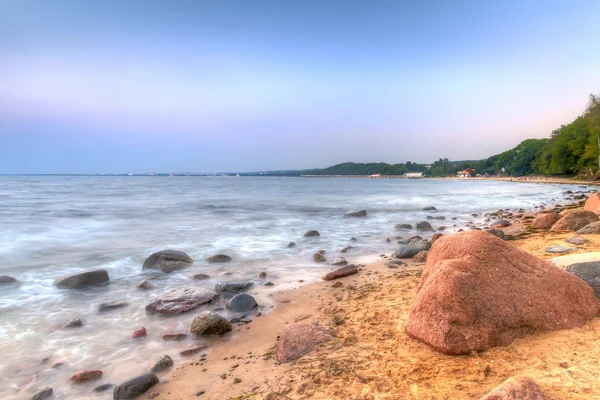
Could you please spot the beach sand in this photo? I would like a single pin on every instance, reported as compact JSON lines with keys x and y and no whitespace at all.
{"x":373,"y":358}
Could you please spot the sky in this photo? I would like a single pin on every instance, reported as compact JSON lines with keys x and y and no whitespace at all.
{"x":104,"y":86}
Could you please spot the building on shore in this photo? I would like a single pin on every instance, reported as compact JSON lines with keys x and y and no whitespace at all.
{"x":413,"y":175}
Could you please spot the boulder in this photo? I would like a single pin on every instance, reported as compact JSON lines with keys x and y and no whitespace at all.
{"x":341,"y":272}
{"x":111,"y":305}
{"x":559,"y":249}
{"x":477,"y":291}
{"x":200,"y":277}
{"x":590,"y":229}
{"x":297,"y":340}
{"x":545,"y":220}
{"x":429,"y":208}
{"x":262,"y":275}
{"x":242,"y":303}
{"x":138,"y":333}
{"x":319,"y":257}
{"x":168,"y":261}
{"x":436,"y":236}
{"x":577,"y":240}
{"x":178,"y":301}
{"x":162,"y":363}
{"x":356,"y":213}
{"x":73,"y":323}
{"x":421,"y":256}
{"x":412,"y":248}
{"x":593,"y":203}
{"x":290,"y":245}
{"x":145,"y":285}
{"x":190,"y":351}
{"x":5,"y":279}
{"x":575,"y":220}
{"x":86,"y":376}
{"x":395,"y":264}
{"x":209,"y":323}
{"x":103,"y":388}
{"x":135,"y":387}
{"x":42,"y":394}
{"x":232,"y":287}
{"x":83,"y":279}
{"x":403,"y":226}
{"x":424,"y":226}
{"x":500,"y":223}
{"x":585,"y":266}
{"x":312,"y":233}
{"x":499,"y":233}
{"x":218,"y":259}
{"x":346,"y":249}
{"x":516,"y":388}
{"x":339,"y":261}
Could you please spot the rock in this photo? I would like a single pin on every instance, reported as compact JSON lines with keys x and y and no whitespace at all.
{"x":545,"y":220}
{"x":5,"y":279}
{"x":262,"y":275}
{"x":585,"y":266}
{"x":86,"y":376}
{"x":403,"y":226}
{"x":559,"y":249}
{"x":498,"y":233}
{"x":516,"y":388}
{"x":218,"y":258}
{"x":232,"y":287}
{"x":424,"y":226}
{"x":242,"y":303}
{"x":500,"y":223}
{"x":341,"y":272}
{"x":144,"y":285}
{"x":174,"y":336}
{"x":593,"y":203}
{"x":210,"y":323}
{"x":421,"y":256}
{"x":135,"y":387}
{"x":395,"y":264}
{"x":478,"y":291}
{"x":297,"y":340}
{"x":111,"y":305}
{"x":83,"y":279}
{"x":290,"y":245}
{"x":339,"y":261}
{"x":269,"y":284}
{"x":353,"y":239}
{"x":138,"y":333}
{"x":590,"y":229}
{"x":200,"y":277}
{"x":168,"y":261}
{"x":42,"y":394}
{"x":162,"y":363}
{"x":345,"y":249}
{"x":74,"y":323}
{"x":578,"y":197}
{"x":436,"y":236}
{"x":178,"y":301}
{"x":337,"y":284}
{"x":430,"y":208}
{"x":318,"y":257}
{"x":356,"y":213}
{"x":412,"y":248}
{"x":575,"y":220}
{"x":577,"y":240}
{"x":103,"y":388}
{"x":312,"y":233}
{"x":190,"y":351}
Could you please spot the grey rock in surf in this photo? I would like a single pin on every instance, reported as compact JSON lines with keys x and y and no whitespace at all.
{"x":162,"y":363}
{"x":312,"y":233}
{"x":424,"y":226}
{"x":412,"y":248}
{"x":42,"y":394}
{"x":135,"y":387}
{"x":5,"y":279}
{"x":181,"y":300}
{"x":79,"y":280}
{"x":356,"y":213}
{"x":218,"y":259}
{"x":242,"y":303}
{"x":232,"y":287}
{"x":168,"y":261}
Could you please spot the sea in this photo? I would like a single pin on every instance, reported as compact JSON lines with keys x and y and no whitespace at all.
{"x":51,"y":226}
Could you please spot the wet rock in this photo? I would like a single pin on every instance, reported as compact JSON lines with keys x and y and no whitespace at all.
{"x":356,"y":213}
{"x":341,"y":272}
{"x":209,"y":323}
{"x":74,"y":323}
{"x":545,"y":220}
{"x":242,"y":303}
{"x":86,"y":376}
{"x":168,"y":261}
{"x":262,"y":275}
{"x":318,"y":257}
{"x":412,"y":248}
{"x":178,"y":301}
{"x":162,"y":363}
{"x":79,"y":280}
{"x":500,"y":223}
{"x":290,"y":245}
{"x":144,"y":285}
{"x":353,"y":239}
{"x":135,"y":387}
{"x":345,"y":249}
{"x":403,"y":226}
{"x":430,"y":208}
{"x":138,"y":333}
{"x":298,"y":340}
{"x":232,"y":287}
{"x":590,"y":229}
{"x":593,"y":203}
{"x":103,"y":388}
{"x":559,"y":249}
{"x":574,"y":220}
{"x":190,"y":351}
{"x":339,"y":261}
{"x":577,"y":240}
{"x":312,"y":233}
{"x":478,"y":291}
{"x":395,"y":264}
{"x":585,"y":266}
{"x":269,"y":284}
{"x":424,"y":226}
{"x":516,"y":388}
{"x":5,"y":279}
{"x":42,"y":394}
{"x":112,"y":305}
{"x":436,"y":236}
{"x":200,"y":277}
{"x":174,"y":336}
{"x":499,"y":233}
{"x":421,"y":256}
{"x":218,"y":258}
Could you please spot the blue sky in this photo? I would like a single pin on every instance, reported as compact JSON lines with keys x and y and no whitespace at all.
{"x":141,"y":85}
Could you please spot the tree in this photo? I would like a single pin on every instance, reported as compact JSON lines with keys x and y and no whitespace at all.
{"x":593,"y":113}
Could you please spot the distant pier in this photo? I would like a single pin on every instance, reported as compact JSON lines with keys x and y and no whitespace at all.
{"x":376,"y":176}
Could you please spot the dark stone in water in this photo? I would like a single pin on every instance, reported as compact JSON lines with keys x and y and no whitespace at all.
{"x":356,"y":213}
{"x":168,"y":261}
{"x":162,"y":363}
{"x":403,"y":226}
{"x":144,"y":285}
{"x":104,"y":388}
{"x":269,"y":284}
{"x":353,"y":239}
{"x":42,"y":394}
{"x":345,"y":249}
{"x":83,"y":279}
{"x":74,"y":323}
{"x":312,"y":233}
{"x":339,"y":261}
{"x":430,"y":208}
{"x":200,"y":277}
{"x":232,"y":287}
{"x":290,"y":245}
{"x":242,"y":303}
{"x":424,"y":226}
{"x":135,"y":387}
{"x":193,"y":350}
{"x":113,"y":305}
{"x":218,"y":258}
{"x":5,"y":279}
{"x":175,"y":336}
{"x":178,"y":301}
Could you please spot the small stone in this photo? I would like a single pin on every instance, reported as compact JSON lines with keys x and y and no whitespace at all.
{"x":210,"y":323}
{"x":559,"y":249}
{"x":74,"y":323}
{"x":161,"y":364}
{"x":138,"y":333}
{"x":86,"y":376}
{"x":290,"y":245}
{"x":5,"y":279}
{"x":42,"y":394}
{"x":103,"y":388}
{"x":145,"y":285}
{"x":200,"y":277}
{"x":237,"y":380}
{"x":174,"y":336}
{"x":312,"y":233}
{"x":262,"y":275}
{"x":318,"y":257}
{"x":219,"y":258}
{"x":113,"y":305}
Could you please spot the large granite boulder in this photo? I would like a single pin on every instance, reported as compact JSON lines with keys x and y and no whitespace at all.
{"x":135,"y":387}
{"x":516,"y":388}
{"x":168,"y":261}
{"x":346,"y":270}
{"x":94,"y":277}
{"x":574,"y":220}
{"x":242,"y":303}
{"x":178,"y":301}
{"x":593,"y":203}
{"x":590,"y":229}
{"x":209,"y":323}
{"x":585,"y":266}
{"x":356,"y":213}
{"x":545,"y":220}
{"x":477,"y":291}
{"x":412,"y":248}
{"x":297,"y":340}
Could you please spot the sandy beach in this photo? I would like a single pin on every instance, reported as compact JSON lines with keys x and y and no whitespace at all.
{"x":372,"y":357}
